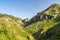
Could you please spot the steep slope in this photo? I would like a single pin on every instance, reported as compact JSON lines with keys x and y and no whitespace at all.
{"x":53,"y":33}
{"x":11,"y":30}
{"x":39,"y":26}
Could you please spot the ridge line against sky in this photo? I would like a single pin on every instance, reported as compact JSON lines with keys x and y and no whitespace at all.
{"x":24,"y":8}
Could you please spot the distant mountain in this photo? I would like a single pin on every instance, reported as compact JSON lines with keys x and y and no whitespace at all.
{"x":46,"y":24}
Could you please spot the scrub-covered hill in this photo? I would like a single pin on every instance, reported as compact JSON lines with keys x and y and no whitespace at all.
{"x":11,"y":30}
{"x":44,"y":23}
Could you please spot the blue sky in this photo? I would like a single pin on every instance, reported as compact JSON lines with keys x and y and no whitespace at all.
{"x":24,"y":8}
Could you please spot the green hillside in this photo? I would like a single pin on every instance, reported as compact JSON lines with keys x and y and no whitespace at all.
{"x":45,"y":25}
{"x":11,"y":30}
{"x":40,"y":27}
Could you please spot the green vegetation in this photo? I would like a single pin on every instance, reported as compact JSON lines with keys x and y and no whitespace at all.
{"x":11,"y":30}
{"x":43,"y":26}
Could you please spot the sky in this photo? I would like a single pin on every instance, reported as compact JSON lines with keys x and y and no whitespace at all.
{"x":24,"y":8}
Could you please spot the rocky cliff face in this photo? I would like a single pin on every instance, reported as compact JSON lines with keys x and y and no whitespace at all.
{"x":25,"y":21}
{"x":41,"y":16}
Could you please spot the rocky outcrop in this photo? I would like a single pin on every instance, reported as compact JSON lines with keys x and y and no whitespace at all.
{"x":25,"y":21}
{"x":38,"y":17}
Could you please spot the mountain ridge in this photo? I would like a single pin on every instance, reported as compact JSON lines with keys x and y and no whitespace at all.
{"x":49,"y":13}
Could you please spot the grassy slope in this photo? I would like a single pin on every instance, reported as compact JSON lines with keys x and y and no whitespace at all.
{"x":10,"y":30}
{"x":54,"y":32}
